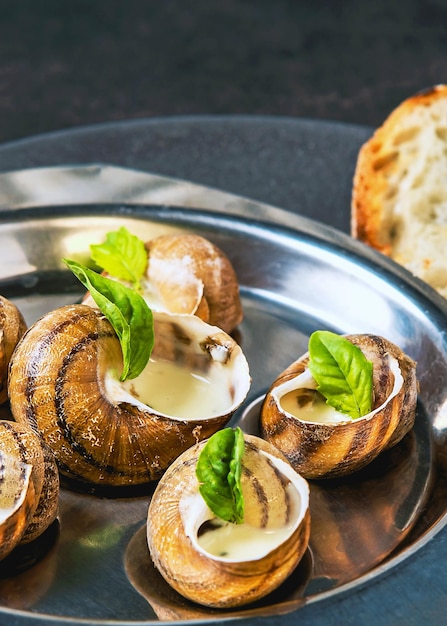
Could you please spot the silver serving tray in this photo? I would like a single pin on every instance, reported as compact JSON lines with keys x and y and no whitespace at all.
{"x":296,"y":276}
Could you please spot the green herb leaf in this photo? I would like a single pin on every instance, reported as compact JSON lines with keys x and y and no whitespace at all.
{"x":342,"y":372}
{"x":219,"y":470}
{"x":122,"y":255}
{"x":128,"y":313}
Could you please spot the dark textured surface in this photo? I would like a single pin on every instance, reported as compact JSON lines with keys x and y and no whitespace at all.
{"x":65,"y":64}
{"x":304,"y":166}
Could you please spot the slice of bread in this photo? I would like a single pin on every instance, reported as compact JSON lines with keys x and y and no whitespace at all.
{"x":399,"y":197}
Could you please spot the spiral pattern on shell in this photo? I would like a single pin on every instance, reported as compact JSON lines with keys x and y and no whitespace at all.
{"x":192,"y":275}
{"x":188,"y":275}
{"x":327,"y":450}
{"x":29,"y":486}
{"x":12,"y":328}
{"x":211,"y":581}
{"x":58,"y":385}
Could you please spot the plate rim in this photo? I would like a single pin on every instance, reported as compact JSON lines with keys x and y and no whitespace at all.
{"x":330,"y":235}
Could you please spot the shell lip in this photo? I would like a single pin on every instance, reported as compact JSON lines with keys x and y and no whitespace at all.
{"x":25,"y":471}
{"x":195,"y":512}
{"x":191,"y":286}
{"x":306,"y":381}
{"x":118,"y":395}
{"x":222,"y":352}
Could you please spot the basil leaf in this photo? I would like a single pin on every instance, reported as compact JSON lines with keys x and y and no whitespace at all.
{"x":122,"y":255}
{"x":128,"y":313}
{"x":342,"y":372}
{"x":218,"y":470}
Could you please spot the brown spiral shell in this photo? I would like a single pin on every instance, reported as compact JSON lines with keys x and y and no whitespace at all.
{"x":194,"y":276}
{"x":12,"y":327}
{"x":208,"y":580}
{"x":187,"y":274}
{"x":327,"y":450}
{"x":29,"y":486}
{"x":57,"y":385}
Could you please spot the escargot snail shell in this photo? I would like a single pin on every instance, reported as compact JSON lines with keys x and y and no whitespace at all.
{"x":192,"y":275}
{"x":187,"y":274}
{"x":275,"y":497}
{"x":29,"y":486}
{"x":12,"y":327}
{"x":330,"y":449}
{"x":64,"y":381}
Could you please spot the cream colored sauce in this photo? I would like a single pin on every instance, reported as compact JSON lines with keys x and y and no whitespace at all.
{"x":286,"y":393}
{"x":256,"y":542}
{"x":316,"y":410}
{"x":176,"y":391}
{"x":243,"y":542}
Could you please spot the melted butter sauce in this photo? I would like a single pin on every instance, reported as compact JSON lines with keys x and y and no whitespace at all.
{"x":179,"y":392}
{"x":311,"y":407}
{"x":243,"y":542}
{"x":239,"y":542}
{"x":299,"y":397}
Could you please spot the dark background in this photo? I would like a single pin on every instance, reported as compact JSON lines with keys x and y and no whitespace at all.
{"x":72,"y":63}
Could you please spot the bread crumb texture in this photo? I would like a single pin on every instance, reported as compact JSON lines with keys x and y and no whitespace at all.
{"x":399,"y":197}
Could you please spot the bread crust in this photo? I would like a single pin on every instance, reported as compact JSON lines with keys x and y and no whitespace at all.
{"x":395,"y":205}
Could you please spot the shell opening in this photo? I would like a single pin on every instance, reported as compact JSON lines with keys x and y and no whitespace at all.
{"x":175,"y":391}
{"x":289,"y":398}
{"x":196,"y":372}
{"x":227,"y":542}
{"x":171,"y":286}
{"x":14,"y":479}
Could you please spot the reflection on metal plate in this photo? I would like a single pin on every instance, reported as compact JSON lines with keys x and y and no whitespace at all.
{"x":295,"y":277}
{"x":100,"y":183}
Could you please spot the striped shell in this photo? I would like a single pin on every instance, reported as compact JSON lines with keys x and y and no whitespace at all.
{"x":187,"y":274}
{"x":331,"y":449}
{"x":177,"y":511}
{"x":29,"y":486}
{"x":64,"y":382}
{"x":12,"y":327}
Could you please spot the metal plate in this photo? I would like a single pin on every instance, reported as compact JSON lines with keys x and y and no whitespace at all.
{"x":93,"y":566}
